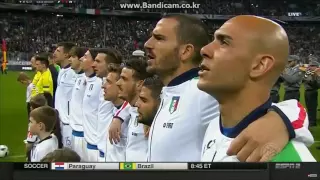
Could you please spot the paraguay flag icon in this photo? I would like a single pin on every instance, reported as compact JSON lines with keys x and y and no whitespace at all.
{"x":58,"y":166}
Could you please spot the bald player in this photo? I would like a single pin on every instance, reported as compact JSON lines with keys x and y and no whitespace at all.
{"x":255,"y":49}
{"x":173,"y":53}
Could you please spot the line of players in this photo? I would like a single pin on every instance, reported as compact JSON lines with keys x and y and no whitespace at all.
{"x":93,"y":99}
{"x":129,"y":103}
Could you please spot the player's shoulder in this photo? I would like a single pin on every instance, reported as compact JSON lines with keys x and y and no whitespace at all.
{"x":202,"y":96}
{"x":192,"y":86}
{"x":98,"y":82}
{"x":291,"y":108}
{"x":214,"y":126}
{"x":105,"y":106}
{"x":294,"y":151}
{"x":71,"y":72}
{"x":81,"y":76}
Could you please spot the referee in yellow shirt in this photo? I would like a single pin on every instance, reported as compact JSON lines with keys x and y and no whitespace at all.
{"x":43,"y":81}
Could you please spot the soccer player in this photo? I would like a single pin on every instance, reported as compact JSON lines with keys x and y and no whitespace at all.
{"x":255,"y":68}
{"x":174,"y":55}
{"x":90,"y":107}
{"x":66,"y":81}
{"x":104,"y":57}
{"x":116,"y":151}
{"x":42,"y":122}
{"x":25,"y":80}
{"x":105,"y":111}
{"x":62,"y":155}
{"x":76,"y":116}
{"x":149,"y":101}
{"x":130,"y":83}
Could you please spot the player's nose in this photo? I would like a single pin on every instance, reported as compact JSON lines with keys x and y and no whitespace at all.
{"x":148,"y":44}
{"x":137,"y":104}
{"x":93,"y":64}
{"x":205,"y":52}
{"x":118,"y":83}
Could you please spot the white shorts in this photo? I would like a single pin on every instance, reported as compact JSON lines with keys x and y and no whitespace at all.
{"x":66,"y":132}
{"x":102,"y":157}
{"x":92,"y":153}
{"x":78,"y":143}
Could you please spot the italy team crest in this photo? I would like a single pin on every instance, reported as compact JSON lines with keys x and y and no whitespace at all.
{"x":174,"y":104}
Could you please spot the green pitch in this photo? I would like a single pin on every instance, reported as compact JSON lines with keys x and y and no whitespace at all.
{"x":13,"y":118}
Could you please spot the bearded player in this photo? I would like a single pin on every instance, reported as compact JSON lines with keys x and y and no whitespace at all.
{"x":173,"y":53}
{"x":130,"y":83}
{"x":149,"y":101}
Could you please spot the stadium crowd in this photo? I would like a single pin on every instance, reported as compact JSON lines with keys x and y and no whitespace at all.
{"x":31,"y":32}
{"x":221,"y":7}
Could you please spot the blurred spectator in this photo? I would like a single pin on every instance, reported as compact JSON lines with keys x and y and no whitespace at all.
{"x":222,"y":7}
{"x":28,"y":33}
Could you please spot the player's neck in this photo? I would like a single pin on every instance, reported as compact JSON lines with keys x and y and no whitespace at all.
{"x":133,"y":101}
{"x":167,"y":77}
{"x":77,"y":70}
{"x":117,"y":102}
{"x":64,"y":63}
{"x":43,"y":135}
{"x":89,"y":72}
{"x":235,"y":106}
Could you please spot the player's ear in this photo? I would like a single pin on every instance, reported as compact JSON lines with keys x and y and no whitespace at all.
{"x":261,"y":64}
{"x":186,"y":51}
{"x":66,"y":55}
{"x":139,"y":84}
{"x":42,"y":126}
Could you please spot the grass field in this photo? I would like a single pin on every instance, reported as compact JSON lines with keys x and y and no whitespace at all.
{"x":13,"y":118}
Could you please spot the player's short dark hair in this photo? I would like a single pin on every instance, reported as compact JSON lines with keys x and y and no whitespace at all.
{"x":38,"y":100}
{"x":66,"y":46}
{"x":46,"y":115}
{"x":114,"y":68}
{"x":78,"y":51}
{"x":62,"y":155}
{"x":43,"y":59}
{"x":48,"y":55}
{"x":94,"y":52}
{"x":155,"y":85}
{"x":44,"y":54}
{"x":191,"y":30}
{"x":139,"y":66}
{"x":113,"y":56}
